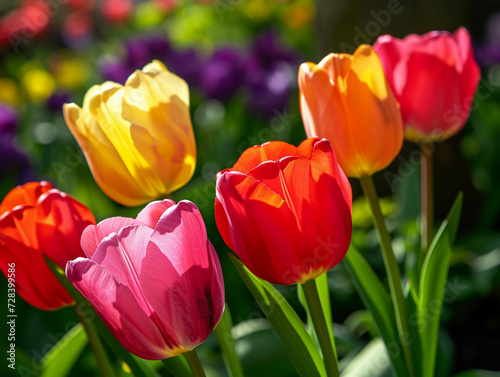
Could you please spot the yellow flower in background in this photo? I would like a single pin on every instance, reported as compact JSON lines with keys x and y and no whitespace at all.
{"x":69,"y":71}
{"x":138,"y":139}
{"x":258,"y":10}
{"x":299,"y":14}
{"x":9,"y":92}
{"x":38,"y":84}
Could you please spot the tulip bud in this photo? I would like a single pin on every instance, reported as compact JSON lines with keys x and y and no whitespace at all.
{"x":285,"y":210}
{"x":346,"y":99}
{"x":137,"y":139}
{"x":434,"y":78}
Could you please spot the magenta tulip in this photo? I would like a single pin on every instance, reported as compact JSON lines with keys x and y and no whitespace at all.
{"x":434,"y":78}
{"x":155,"y":281}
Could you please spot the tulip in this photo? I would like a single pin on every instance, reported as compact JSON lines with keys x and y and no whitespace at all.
{"x":434,"y":78}
{"x":285,"y":210}
{"x":155,"y":280}
{"x":137,"y":138}
{"x":223,"y":74}
{"x":346,"y":99}
{"x":37,"y":220}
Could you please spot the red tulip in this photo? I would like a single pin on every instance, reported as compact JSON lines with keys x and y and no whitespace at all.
{"x":155,"y":281}
{"x":434,"y":78}
{"x":285,"y":210}
{"x":37,"y":220}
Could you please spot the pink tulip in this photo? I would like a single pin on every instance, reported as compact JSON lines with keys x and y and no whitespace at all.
{"x":155,"y":281}
{"x":434,"y":78}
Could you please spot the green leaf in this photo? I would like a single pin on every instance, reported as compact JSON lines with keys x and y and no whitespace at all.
{"x":433,"y":283}
{"x":413,"y":338}
{"x":372,"y":361}
{"x":377,"y":300}
{"x":297,"y":341}
{"x":61,"y":358}
{"x":226,"y":343}
{"x":260,"y":350}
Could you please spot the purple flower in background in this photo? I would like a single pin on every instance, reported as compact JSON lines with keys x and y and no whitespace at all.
{"x":8,"y":122}
{"x":268,"y":51}
{"x":137,"y":54}
{"x":488,"y":52}
{"x":186,"y":64}
{"x":115,"y":70}
{"x":158,"y":47}
{"x":270,"y":94}
{"x":268,"y":70}
{"x":223,"y":74}
{"x":270,"y":75}
{"x":57,"y":100}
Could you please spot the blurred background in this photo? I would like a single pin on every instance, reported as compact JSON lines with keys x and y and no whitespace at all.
{"x":240,"y":58}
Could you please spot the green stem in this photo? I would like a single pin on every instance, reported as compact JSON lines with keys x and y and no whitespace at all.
{"x":194,"y":363}
{"x":226,"y":342}
{"x":325,"y":339}
{"x":391,"y":266}
{"x":96,"y":345}
{"x":427,"y":216}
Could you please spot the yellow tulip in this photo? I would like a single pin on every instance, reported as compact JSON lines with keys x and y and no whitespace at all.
{"x":138,"y":139}
{"x":347,"y":99}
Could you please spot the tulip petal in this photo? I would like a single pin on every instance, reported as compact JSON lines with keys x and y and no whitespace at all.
{"x":26,"y":195}
{"x":330,"y":201}
{"x":35,"y":283}
{"x":317,"y":202}
{"x":372,"y":103}
{"x":104,"y":160}
{"x":181,"y":257}
{"x":60,"y":221}
{"x":259,"y":220}
{"x":156,"y":103}
{"x":94,"y":234}
{"x":105,"y":104}
{"x":122,"y":254}
{"x":320,"y":101}
{"x":116,"y":305}
{"x":253,"y":156}
{"x":423,"y":110}
{"x":324,"y":162}
{"x":153,"y":212}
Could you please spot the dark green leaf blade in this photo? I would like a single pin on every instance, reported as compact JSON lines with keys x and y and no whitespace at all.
{"x":433,"y":283}
{"x":377,"y":300}
{"x":287,"y":324}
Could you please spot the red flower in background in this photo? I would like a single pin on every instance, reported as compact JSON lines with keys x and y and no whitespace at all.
{"x":30,"y":20}
{"x":37,"y":220}
{"x":434,"y":77}
{"x":286,"y":210}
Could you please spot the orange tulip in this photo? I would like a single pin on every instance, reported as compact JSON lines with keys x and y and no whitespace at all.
{"x":347,"y":99}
